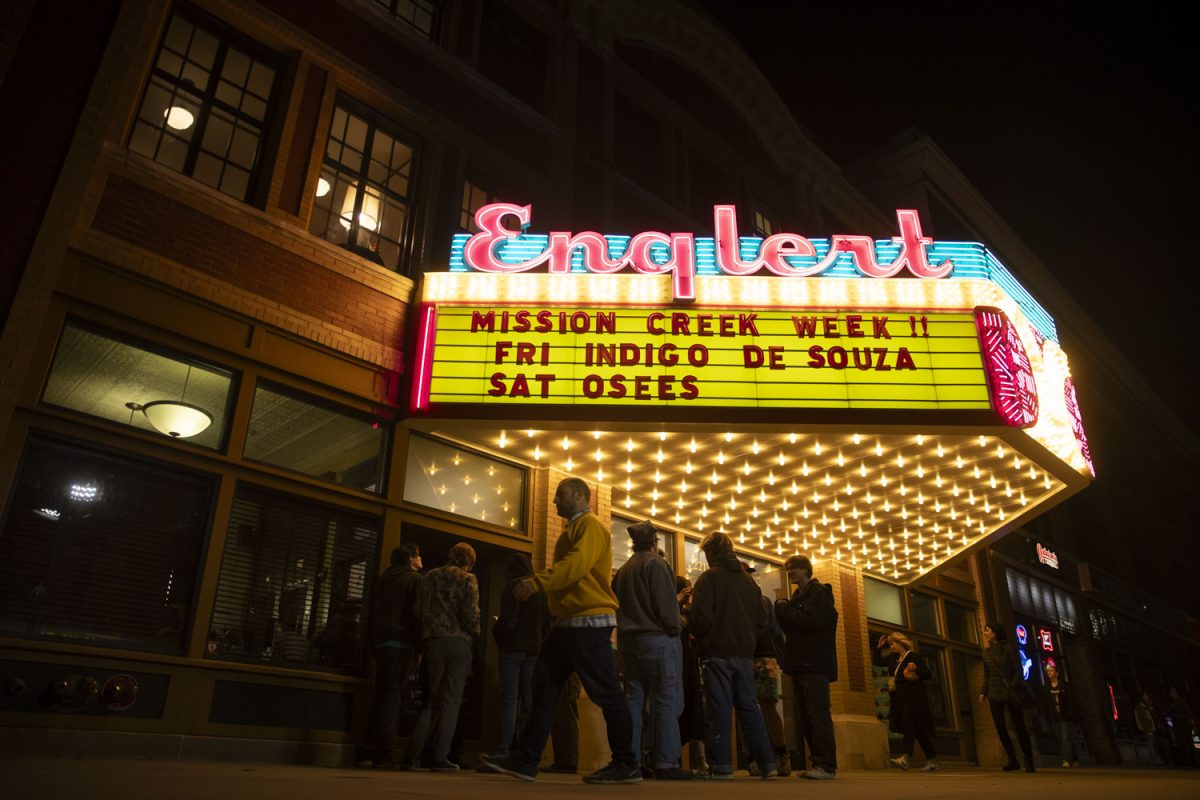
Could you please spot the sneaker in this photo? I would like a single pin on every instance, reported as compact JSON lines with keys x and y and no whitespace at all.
{"x":1066,"y":765}
{"x":753,"y":768}
{"x":930,"y":766}
{"x":772,"y":772}
{"x":673,"y":774}
{"x":819,"y":774}
{"x":615,"y":773}
{"x":443,"y":766}
{"x":563,"y":769}
{"x":785,"y":764}
{"x":900,"y":762}
{"x":364,"y":763}
{"x":506,"y":766}
{"x":392,"y":765}
{"x":720,"y":776}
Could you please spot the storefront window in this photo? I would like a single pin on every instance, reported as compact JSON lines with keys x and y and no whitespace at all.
{"x":98,"y":374}
{"x":101,"y":549}
{"x":307,"y":435}
{"x":937,"y":687}
{"x":924,"y":613}
{"x":961,"y":625}
{"x":885,"y":602}
{"x":622,"y":546}
{"x":294,"y":584}
{"x":449,"y":478}
{"x":768,"y":576}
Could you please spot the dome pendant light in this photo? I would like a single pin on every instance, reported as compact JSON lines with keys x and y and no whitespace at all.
{"x":175,"y":418}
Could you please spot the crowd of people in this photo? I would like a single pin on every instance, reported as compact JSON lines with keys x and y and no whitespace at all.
{"x":688,"y":662}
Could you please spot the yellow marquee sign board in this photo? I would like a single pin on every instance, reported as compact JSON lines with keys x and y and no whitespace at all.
{"x":654,"y":356}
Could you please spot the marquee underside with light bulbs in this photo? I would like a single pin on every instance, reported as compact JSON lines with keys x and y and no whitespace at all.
{"x":826,"y":405}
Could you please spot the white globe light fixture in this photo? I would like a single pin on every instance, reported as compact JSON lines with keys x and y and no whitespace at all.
{"x":177,"y":419}
{"x":179,"y":118}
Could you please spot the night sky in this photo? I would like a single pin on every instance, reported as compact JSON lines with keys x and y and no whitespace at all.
{"x":1079,"y":125}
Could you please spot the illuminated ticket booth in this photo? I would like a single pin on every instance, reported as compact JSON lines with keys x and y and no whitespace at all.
{"x":882,"y":406}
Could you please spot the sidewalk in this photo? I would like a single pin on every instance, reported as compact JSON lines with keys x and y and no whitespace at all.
{"x":25,"y":779}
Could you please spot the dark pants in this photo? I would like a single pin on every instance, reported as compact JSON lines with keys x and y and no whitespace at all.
{"x":1017,"y":716}
{"x":811,"y":701}
{"x":588,"y":652}
{"x":912,"y":732}
{"x":565,"y":734}
{"x":449,"y":659}
{"x":392,"y":668}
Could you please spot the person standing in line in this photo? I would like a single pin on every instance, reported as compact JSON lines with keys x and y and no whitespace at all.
{"x":809,"y":621}
{"x":1181,"y":728}
{"x":1054,"y":704}
{"x":768,"y":677}
{"x":579,"y":594}
{"x":1143,"y":717}
{"x":1001,"y":671}
{"x":910,"y":715}
{"x":518,"y":633}
{"x":727,"y":616}
{"x":396,"y":632}
{"x":648,"y":641}
{"x":691,"y":721}
{"x":448,"y":605}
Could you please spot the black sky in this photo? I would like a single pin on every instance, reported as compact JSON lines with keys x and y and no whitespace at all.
{"x":1078,"y":125}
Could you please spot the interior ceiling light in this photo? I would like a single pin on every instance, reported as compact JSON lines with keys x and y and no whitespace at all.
{"x":322,"y":187}
{"x":179,"y":118}
{"x":901,"y":528}
{"x":176,"y":418}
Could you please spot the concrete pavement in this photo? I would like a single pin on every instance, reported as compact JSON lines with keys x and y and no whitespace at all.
{"x":29,"y":778}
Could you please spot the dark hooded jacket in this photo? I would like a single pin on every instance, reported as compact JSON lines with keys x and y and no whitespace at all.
{"x":521,"y":626}
{"x":394,"y":619}
{"x":809,"y":620}
{"x":727,"y":610}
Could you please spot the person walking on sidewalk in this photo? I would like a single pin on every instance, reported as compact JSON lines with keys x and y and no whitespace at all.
{"x":1054,"y":706}
{"x":648,"y":641}
{"x":727,"y":616}
{"x":809,"y":621}
{"x":910,"y":715}
{"x":579,"y":595}
{"x":1001,"y":677}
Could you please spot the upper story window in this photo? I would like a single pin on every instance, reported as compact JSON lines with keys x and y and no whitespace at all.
{"x":364,"y":192}
{"x":420,"y":15}
{"x":207,"y":105}
{"x":473,"y":198}
{"x":764,"y":224}
{"x":514,"y":54}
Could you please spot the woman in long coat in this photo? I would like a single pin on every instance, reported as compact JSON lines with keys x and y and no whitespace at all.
{"x":910,"y":715}
{"x":1002,"y":679}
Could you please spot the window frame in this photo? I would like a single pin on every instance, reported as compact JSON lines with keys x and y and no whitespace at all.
{"x":434,"y":34}
{"x":206,"y":99}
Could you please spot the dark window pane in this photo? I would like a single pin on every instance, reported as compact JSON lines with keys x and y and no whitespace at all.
{"x":961,"y":624}
{"x":885,"y":601}
{"x":420,"y":15}
{"x":305,"y":435}
{"x":936,"y":686}
{"x":98,"y":374}
{"x":294,"y":583}
{"x":924,"y":613}
{"x":101,"y":549}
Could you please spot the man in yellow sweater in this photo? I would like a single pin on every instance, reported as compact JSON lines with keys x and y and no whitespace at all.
{"x":579,"y":594}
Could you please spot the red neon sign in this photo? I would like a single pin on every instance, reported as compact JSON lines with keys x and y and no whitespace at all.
{"x":1047,"y":640}
{"x":480,"y":250}
{"x":1047,"y":556}
{"x":1014,"y":391}
{"x":1077,"y":424}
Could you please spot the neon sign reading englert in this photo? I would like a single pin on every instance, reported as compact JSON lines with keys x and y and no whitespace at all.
{"x":654,"y":252}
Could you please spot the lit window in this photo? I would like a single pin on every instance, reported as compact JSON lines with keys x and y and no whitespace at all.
{"x":294,"y":584}
{"x":207,"y":105}
{"x":465,"y":483}
{"x":313,"y":437}
{"x":151,"y":390}
{"x":421,"y":15}
{"x":884,"y":601}
{"x":363,"y":195}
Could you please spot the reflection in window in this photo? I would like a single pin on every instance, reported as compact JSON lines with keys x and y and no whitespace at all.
{"x":363,"y":195}
{"x":97,"y":374}
{"x":420,"y":15}
{"x":961,"y":624}
{"x":294,"y":584}
{"x":459,"y":481}
{"x":884,"y":601}
{"x":206,"y":106}
{"x":924,"y":613}
{"x":101,"y":549}
{"x":768,"y":576}
{"x":622,"y":545}
{"x":303,"y":434}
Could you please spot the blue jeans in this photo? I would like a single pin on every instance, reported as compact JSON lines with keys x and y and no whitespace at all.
{"x":588,"y":652}
{"x":729,"y":686}
{"x":516,"y":686}
{"x":654,"y":668}
{"x":1064,"y":730}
